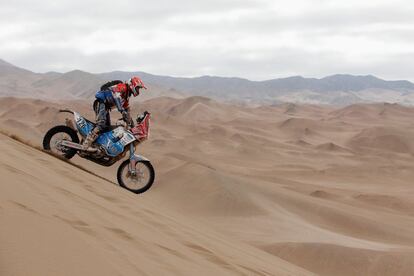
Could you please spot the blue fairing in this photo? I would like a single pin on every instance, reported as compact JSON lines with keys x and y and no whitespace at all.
{"x":111,"y":143}
{"x":108,"y":140}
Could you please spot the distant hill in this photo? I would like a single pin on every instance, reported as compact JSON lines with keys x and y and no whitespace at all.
{"x":338,"y":89}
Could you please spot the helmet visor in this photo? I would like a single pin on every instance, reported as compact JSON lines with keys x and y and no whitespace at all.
{"x":136,"y":91}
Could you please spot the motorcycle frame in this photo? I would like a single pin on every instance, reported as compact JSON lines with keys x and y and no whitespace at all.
{"x":133,"y":158}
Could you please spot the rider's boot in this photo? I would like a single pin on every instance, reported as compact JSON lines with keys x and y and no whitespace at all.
{"x":87,"y":144}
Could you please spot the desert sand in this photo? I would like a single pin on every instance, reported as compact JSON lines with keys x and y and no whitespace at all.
{"x":270,"y":190}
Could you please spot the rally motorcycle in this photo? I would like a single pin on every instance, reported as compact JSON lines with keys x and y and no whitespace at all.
{"x":135,"y":174}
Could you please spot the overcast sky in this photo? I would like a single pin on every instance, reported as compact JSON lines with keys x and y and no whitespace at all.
{"x":255,"y":39}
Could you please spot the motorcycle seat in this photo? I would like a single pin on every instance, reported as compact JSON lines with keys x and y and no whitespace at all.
{"x":108,"y":128}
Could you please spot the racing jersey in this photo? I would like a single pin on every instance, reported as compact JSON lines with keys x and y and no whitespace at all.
{"x":116,"y":95}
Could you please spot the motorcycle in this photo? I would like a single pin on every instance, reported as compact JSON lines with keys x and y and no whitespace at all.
{"x":135,"y":174}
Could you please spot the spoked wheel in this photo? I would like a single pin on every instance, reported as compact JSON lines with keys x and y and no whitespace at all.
{"x":138,"y":182}
{"x":54,"y":137}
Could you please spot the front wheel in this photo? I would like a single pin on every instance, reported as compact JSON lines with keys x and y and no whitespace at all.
{"x":140,"y":181}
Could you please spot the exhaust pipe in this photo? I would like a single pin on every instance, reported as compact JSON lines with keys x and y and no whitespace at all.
{"x":77,"y":146}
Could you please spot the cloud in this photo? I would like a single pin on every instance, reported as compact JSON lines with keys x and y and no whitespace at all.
{"x":254,"y":39}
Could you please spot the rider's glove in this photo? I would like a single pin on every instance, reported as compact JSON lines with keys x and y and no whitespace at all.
{"x":127,"y":118}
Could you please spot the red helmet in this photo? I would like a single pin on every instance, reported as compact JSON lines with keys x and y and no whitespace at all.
{"x":135,"y":84}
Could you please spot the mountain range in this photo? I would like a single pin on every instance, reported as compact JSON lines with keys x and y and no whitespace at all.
{"x":340,"y":89}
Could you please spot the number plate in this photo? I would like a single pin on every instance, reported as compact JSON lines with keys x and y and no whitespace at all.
{"x":127,"y":138}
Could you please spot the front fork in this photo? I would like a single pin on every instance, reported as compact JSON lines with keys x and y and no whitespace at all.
{"x":132,"y":159}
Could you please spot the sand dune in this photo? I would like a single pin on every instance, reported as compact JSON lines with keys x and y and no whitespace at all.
{"x":332,"y":147}
{"x":353,"y":261}
{"x":329,"y":190}
{"x":384,"y":139}
{"x":72,"y":223}
{"x":299,"y":124}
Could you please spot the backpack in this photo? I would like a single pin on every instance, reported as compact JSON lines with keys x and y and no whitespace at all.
{"x":104,"y":87}
{"x":109,"y":84}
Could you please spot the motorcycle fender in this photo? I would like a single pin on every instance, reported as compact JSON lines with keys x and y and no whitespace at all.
{"x":69,"y":123}
{"x":137,"y":158}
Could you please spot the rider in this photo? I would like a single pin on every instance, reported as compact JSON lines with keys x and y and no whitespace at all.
{"x":115,"y":95}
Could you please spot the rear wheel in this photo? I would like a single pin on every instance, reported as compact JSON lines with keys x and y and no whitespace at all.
{"x":139,"y":182}
{"x":53,"y":141}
